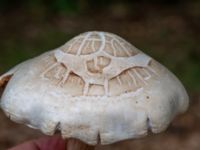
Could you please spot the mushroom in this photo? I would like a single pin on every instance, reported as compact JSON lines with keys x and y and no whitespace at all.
{"x":95,"y":89}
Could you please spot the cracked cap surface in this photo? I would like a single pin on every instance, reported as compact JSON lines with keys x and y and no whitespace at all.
{"x":97,"y":88}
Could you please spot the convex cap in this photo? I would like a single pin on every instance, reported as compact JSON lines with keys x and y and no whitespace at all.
{"x":97,"y":88}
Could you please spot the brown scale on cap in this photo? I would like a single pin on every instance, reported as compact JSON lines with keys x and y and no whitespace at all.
{"x":91,"y":42}
{"x":98,"y":51}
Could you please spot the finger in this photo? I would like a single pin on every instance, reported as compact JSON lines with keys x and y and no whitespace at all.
{"x":26,"y":146}
{"x":46,"y":143}
{"x":51,"y":143}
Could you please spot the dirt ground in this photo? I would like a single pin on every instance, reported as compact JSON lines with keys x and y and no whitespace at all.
{"x":169,"y":34}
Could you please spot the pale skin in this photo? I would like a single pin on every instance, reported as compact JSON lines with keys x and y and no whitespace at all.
{"x":53,"y":143}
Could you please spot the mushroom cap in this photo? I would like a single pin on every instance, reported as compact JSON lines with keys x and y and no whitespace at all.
{"x":97,"y":88}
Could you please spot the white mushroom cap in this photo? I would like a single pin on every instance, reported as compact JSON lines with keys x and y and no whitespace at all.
{"x":97,"y":88}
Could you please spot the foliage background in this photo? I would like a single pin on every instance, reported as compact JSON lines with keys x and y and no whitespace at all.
{"x":168,"y":30}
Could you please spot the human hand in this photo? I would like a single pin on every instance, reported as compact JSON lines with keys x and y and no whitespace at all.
{"x":46,"y":143}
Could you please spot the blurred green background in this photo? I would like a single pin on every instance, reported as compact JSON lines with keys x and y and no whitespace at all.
{"x":168,"y":30}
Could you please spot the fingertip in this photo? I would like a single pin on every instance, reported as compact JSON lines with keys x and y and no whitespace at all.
{"x":51,"y":143}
